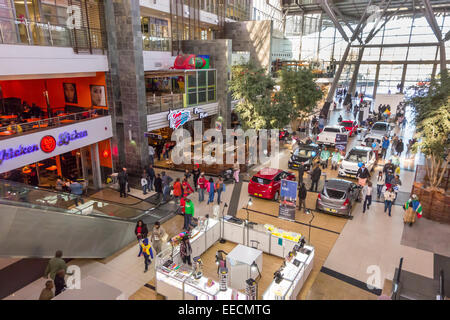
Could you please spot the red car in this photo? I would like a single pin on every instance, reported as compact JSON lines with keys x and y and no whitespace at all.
{"x":266,"y":183}
{"x":351,"y":126}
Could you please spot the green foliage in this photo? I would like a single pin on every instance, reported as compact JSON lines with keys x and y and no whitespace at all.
{"x":299,"y":87}
{"x":259,"y":107}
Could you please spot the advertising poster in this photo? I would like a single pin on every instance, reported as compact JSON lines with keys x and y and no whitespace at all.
{"x":341,"y":141}
{"x":288,"y":196}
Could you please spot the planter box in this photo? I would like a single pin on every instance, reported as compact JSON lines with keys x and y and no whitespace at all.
{"x":435,"y":204}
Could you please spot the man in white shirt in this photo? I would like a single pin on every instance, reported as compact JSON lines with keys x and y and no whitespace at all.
{"x":151,"y":153}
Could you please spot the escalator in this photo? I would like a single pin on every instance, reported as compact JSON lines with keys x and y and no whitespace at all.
{"x":35,"y":222}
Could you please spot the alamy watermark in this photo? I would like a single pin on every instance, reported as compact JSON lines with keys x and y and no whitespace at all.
{"x":239,"y":147}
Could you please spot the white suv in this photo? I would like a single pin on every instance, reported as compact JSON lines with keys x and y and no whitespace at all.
{"x":349,"y":166}
{"x":328,"y":135}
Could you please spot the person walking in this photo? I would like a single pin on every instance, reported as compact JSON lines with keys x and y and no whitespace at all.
{"x":141,"y":230}
{"x":412,"y":208}
{"x":202,"y":183}
{"x":47,"y":293}
{"x":151,"y":154}
{"x":394,"y":141}
{"x":389,"y":197}
{"x":158,"y":233}
{"x":158,"y":186}
{"x":146,"y":250}
{"x":220,"y":187}
{"x":367,"y":190}
{"x":315,"y":177}
{"x":186,"y":250}
{"x":144,"y":183}
{"x":77,"y":190}
{"x":324,"y":156}
{"x":166,"y":180}
{"x":335,"y":159}
{"x":380,"y":183}
{"x":384,"y":147}
{"x":54,"y":265}
{"x":210,"y":189}
{"x":187,"y":189}
{"x":188,"y":213}
{"x":122,"y":178}
{"x":302,"y":193}
{"x":396,"y":183}
{"x":315,"y":130}
{"x":301,"y":172}
{"x":195,"y":175}
{"x":236,"y":171}
{"x":150,"y":177}
{"x":177,"y":190}
{"x":399,"y":147}
{"x":60,"y":283}
{"x":362,"y":175}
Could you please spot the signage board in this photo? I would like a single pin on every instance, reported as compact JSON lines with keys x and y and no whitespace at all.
{"x":288,"y":195}
{"x":341,"y":141}
{"x":177,"y":118}
{"x":24,"y":149}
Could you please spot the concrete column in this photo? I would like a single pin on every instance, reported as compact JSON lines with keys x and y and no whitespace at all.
{"x":354,"y":80}
{"x":95,"y":164}
{"x":126,"y":84}
{"x":375,"y":85}
{"x":85,"y":165}
{"x":402,"y":83}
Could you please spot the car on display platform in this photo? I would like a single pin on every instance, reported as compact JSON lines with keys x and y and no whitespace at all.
{"x":338,"y":197}
{"x":370,"y":139}
{"x":328,"y":134}
{"x":267,"y":182}
{"x":380,"y":128}
{"x":351,"y":126}
{"x":306,"y":153}
{"x":350,"y":165}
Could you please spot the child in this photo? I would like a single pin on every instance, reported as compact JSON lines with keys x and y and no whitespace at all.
{"x":144,"y":183}
{"x":146,"y":249}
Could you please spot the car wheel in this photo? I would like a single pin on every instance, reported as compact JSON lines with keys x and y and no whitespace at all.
{"x":276,"y":196}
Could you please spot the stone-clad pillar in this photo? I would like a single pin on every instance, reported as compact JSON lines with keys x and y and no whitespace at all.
{"x":126,"y":85}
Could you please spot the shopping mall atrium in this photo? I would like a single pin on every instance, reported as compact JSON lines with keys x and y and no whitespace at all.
{"x":224,"y":150}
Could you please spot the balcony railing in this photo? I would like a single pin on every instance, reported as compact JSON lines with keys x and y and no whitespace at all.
{"x":156,"y":104}
{"x":20,"y":128}
{"x":23,"y":31}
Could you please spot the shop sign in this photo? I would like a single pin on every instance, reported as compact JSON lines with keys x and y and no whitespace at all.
{"x":8,"y":154}
{"x":178,"y":117}
{"x":201,"y":113}
{"x":66,"y":137}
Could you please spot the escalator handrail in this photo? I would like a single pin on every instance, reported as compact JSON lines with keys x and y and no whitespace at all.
{"x":396,"y":281}
{"x":441,"y":293}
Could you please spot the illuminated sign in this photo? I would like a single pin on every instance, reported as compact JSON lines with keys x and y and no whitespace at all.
{"x":178,"y":118}
{"x":66,"y":137}
{"x":48,"y":144}
{"x":8,"y":154}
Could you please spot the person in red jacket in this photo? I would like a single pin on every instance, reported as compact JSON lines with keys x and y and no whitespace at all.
{"x":183,"y":205}
{"x":177,"y":190}
{"x":201,"y":187}
{"x":187,"y":189}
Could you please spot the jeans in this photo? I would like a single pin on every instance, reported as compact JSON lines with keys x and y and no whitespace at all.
{"x":122,"y":187}
{"x":144,"y":188}
{"x":78,"y":198}
{"x":334,"y":165}
{"x":150,"y":183}
{"x":368,"y":201}
{"x":152,"y":161}
{"x":147,"y":261}
{"x":187,"y":221}
{"x":186,"y":259}
{"x":165,"y":192}
{"x":387,"y":205}
{"x":201,"y":195}
{"x":314,"y":184}
{"x":379,"y":189}
{"x":219,"y":192}
{"x":301,"y":202}
{"x":211,"y":197}
{"x":383,"y":153}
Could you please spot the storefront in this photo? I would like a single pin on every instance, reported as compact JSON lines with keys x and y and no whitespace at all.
{"x":77,"y":151}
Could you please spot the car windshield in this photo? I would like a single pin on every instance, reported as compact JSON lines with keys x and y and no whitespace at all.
{"x":328,"y":129}
{"x":347,"y":123}
{"x":357,"y":156}
{"x":379,"y":127}
{"x":261,"y":180}
{"x":372,"y":140}
{"x":302,"y":153}
{"x":335,"y":194}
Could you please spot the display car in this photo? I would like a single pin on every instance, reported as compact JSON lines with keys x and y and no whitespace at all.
{"x":306,"y":153}
{"x":351,"y":126}
{"x":370,"y":139}
{"x":350,"y":165}
{"x":338,"y":197}
{"x":266,"y":183}
{"x":328,"y":135}
{"x":380,"y":128}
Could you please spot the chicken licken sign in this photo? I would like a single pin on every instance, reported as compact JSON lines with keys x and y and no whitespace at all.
{"x":47,"y":144}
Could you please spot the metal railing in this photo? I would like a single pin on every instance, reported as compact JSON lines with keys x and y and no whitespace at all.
{"x":156,"y":104}
{"x":396,"y":282}
{"x":20,"y":128}
{"x":24,"y":31}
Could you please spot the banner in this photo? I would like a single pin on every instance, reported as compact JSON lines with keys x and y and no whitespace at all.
{"x":341,"y":141}
{"x":288,"y":194}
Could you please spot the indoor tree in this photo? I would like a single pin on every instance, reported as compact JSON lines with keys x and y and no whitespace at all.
{"x":299,"y":88}
{"x":259,"y":105}
{"x":432,"y":119}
